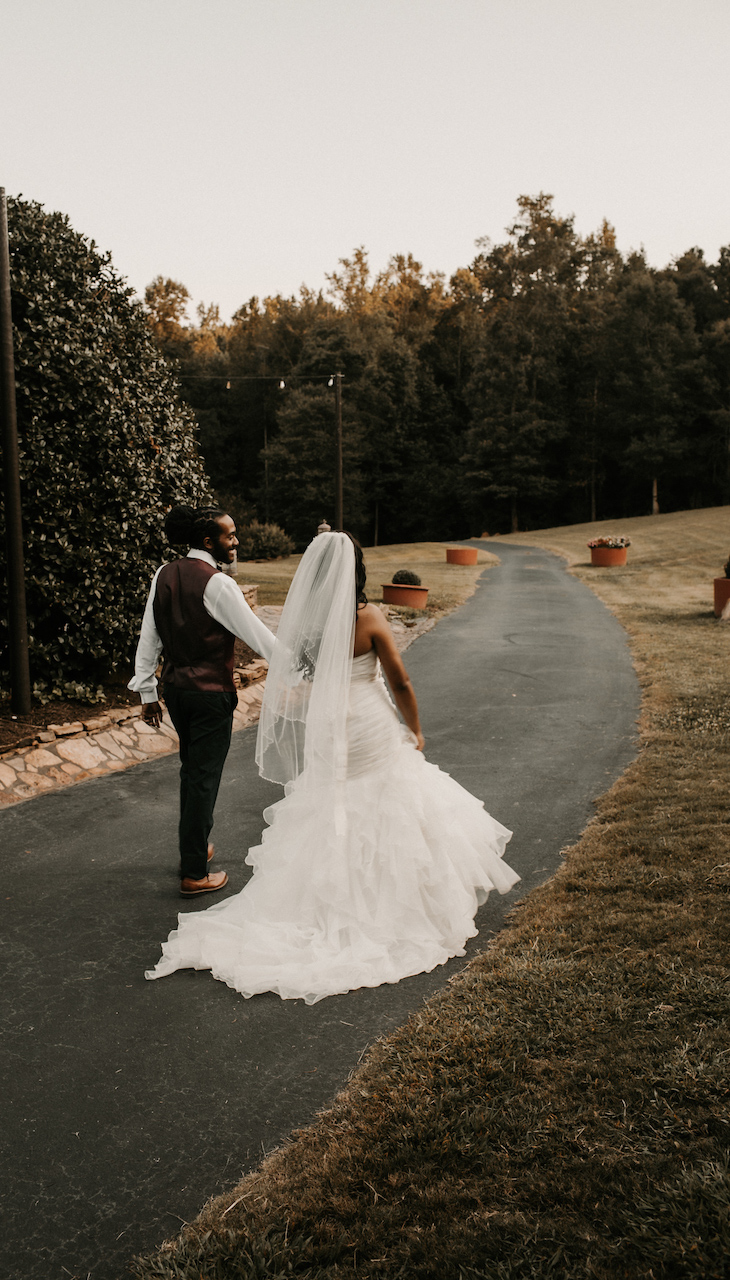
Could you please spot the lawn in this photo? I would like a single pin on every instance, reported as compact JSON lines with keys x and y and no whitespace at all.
{"x":448,"y":585}
{"x":561,"y":1107}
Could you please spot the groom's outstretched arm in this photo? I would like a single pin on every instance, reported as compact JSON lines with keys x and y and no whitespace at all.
{"x":224,"y":601}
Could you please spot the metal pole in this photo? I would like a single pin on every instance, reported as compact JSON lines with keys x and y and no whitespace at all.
{"x":19,"y":668}
{"x":339,"y":517}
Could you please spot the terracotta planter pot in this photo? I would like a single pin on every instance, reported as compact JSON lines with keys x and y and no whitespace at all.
{"x":607,"y":556}
{"x":461,"y":555}
{"x":722,"y":594}
{"x":399,"y":593}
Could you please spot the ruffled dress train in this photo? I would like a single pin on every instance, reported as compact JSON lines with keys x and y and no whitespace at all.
{"x":356,"y":885}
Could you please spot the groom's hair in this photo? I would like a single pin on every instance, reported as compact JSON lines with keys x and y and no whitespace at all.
{"x":190,"y":526}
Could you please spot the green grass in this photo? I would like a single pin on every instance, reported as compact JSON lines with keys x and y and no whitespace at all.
{"x":561,"y":1108}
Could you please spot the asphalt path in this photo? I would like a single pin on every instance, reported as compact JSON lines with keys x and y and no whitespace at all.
{"x":128,"y":1103}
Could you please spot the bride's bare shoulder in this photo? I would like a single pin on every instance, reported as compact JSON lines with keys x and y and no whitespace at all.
{"x":370,"y":629}
{"x":369,"y":617}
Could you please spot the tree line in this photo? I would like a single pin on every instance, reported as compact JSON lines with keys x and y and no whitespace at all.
{"x":552,"y":381}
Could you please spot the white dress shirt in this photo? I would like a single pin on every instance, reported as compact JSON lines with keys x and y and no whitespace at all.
{"x":224,"y":601}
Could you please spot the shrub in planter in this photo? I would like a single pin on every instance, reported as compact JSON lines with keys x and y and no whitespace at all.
{"x":263,"y":542}
{"x":405,"y":589}
{"x":106,"y":447}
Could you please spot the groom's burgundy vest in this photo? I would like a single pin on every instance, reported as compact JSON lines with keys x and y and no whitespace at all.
{"x":197,"y":650}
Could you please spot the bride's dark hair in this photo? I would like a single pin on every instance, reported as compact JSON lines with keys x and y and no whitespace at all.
{"x":360,"y":571}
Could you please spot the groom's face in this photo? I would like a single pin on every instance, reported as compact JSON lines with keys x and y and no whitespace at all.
{"x":223,"y":548}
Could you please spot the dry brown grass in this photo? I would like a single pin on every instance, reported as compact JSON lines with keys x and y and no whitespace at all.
{"x":448,"y":585}
{"x":672,"y":559}
{"x":561,"y":1109}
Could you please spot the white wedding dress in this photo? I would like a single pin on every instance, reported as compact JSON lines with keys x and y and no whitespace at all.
{"x":371,"y":885}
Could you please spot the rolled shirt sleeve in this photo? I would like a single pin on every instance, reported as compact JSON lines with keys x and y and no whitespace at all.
{"x":224,"y":601}
{"x":149,"y":649}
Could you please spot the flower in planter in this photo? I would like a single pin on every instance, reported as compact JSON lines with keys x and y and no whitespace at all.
{"x":613,"y":543}
{"x":405,"y":578}
{"x":727,"y":568}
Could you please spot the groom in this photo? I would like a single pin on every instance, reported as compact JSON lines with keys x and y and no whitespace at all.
{"x":193,"y":614}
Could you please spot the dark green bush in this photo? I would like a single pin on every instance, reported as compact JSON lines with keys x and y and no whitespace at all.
{"x":106,"y":447}
{"x":263,"y":542}
{"x":405,"y":578}
{"x":240,"y":511}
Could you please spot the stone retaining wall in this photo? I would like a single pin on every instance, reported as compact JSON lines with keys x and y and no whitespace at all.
{"x":107,"y":743}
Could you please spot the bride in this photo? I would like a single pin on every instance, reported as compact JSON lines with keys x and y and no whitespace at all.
{"x":374,"y":862}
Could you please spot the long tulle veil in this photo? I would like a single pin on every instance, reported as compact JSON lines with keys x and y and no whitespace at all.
{"x":303,"y":722}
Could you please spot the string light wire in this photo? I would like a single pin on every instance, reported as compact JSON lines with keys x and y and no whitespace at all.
{"x":245,"y":377}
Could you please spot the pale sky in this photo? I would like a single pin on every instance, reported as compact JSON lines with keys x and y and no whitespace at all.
{"x":244,"y":146}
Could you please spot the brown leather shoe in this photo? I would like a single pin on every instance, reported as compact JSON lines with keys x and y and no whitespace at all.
{"x":211,"y":854}
{"x":209,"y":884}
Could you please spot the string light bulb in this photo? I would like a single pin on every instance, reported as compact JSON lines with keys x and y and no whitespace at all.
{"x":282,"y":384}
{"x":331,"y":382}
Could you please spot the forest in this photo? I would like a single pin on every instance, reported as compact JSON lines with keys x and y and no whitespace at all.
{"x":552,"y":381}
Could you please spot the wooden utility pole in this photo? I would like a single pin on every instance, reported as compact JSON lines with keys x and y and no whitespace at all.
{"x":266,"y":469}
{"x":19,"y":667}
{"x":339,"y":516}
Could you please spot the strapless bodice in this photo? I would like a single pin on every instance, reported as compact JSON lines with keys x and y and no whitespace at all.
{"x":366,"y":667}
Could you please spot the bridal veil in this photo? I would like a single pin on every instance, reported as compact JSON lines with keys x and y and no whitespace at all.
{"x":303,"y":722}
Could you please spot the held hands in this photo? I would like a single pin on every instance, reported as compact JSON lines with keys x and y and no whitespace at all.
{"x":152,"y":713}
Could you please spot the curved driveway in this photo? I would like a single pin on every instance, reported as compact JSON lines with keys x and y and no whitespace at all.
{"x":128,"y":1103}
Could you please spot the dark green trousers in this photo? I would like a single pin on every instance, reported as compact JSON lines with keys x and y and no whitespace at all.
{"x":203,"y":722}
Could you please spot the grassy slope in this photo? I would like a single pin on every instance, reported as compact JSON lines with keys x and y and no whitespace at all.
{"x":561,"y":1109}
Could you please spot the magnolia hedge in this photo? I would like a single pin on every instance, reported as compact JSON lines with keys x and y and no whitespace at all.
{"x":106,"y":446}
